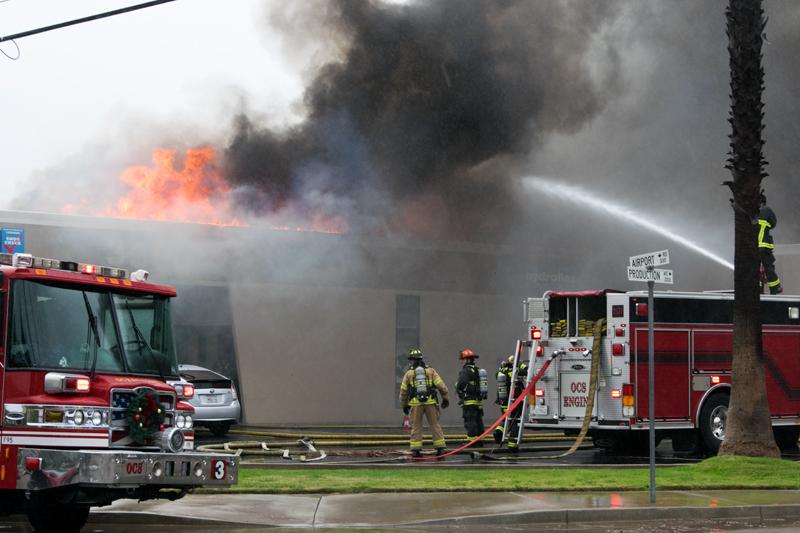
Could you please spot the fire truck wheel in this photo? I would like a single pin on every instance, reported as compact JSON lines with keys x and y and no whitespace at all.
{"x":786,"y":437}
{"x":66,"y":519}
{"x":713,"y":420}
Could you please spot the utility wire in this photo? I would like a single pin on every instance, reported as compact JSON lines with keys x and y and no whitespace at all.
{"x":82,"y":20}
{"x":12,"y":58}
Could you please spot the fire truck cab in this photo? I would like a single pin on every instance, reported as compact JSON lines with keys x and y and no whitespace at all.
{"x":86,"y":415}
{"x":693,"y":343}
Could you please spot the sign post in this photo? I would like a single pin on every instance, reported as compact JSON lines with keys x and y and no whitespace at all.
{"x":642,"y":268}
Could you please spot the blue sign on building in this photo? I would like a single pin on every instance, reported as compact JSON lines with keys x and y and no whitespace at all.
{"x":13,"y":240}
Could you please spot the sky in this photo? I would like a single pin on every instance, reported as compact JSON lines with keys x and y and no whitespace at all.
{"x":422,"y":118}
{"x":187,"y":62}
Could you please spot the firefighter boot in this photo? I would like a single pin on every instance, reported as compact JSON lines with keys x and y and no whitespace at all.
{"x":498,"y":435}
{"x":440,"y":451}
{"x":416,"y":454}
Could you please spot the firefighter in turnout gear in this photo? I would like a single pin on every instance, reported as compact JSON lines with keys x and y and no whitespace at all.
{"x":505,"y":392}
{"x":766,"y":222}
{"x":418,"y":396}
{"x":472,"y":389}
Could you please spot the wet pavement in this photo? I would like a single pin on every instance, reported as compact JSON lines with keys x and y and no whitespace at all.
{"x":556,"y":511}
{"x":472,"y":509}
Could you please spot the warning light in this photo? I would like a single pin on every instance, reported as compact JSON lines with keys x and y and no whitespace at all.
{"x":619,"y":332}
{"x":539,"y":351}
{"x":536,"y":334}
{"x":76,"y":384}
{"x":715,"y":380}
{"x":616,"y":393}
{"x":33,"y":463}
{"x":88,"y":269}
{"x":617,"y":349}
{"x":539,"y":393}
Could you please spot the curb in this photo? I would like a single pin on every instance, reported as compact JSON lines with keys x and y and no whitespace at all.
{"x":637,"y":514}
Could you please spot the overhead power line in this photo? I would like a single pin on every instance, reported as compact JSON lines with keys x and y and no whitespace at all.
{"x":82,"y":20}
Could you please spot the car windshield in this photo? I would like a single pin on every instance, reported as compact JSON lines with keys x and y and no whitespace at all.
{"x":59,"y":326}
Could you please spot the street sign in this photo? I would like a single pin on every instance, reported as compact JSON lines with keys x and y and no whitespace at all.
{"x":658,"y":275}
{"x":653,"y":259}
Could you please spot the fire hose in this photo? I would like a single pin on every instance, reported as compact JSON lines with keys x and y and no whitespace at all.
{"x":353,"y":439}
{"x":596,"y":348}
{"x":391,"y":439}
{"x":587,"y":417}
{"x":522,"y":397}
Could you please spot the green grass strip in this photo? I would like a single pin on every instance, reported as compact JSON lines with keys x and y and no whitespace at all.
{"x":714,"y":473}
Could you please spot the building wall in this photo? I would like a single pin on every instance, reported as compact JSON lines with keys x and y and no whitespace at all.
{"x":327,"y":355}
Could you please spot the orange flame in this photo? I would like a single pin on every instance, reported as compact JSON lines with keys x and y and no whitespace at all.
{"x":196,"y":193}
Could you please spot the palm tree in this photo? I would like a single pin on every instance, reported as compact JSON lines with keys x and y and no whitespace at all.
{"x":748,"y":429}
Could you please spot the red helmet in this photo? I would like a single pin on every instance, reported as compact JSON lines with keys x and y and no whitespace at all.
{"x":466,"y":353}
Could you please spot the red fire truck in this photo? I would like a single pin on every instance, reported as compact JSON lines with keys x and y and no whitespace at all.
{"x":693,"y":339}
{"x":86,"y":415}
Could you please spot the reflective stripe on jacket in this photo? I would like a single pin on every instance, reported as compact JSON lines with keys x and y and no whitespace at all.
{"x":766,"y":222}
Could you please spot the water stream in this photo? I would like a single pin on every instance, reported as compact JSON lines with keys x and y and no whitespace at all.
{"x":586,"y":198}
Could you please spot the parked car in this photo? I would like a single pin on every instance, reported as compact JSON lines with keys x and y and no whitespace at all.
{"x":215,"y":401}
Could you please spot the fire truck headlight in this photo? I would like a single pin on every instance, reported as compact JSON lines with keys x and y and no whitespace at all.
{"x":97,"y":418}
{"x":198,"y":470}
{"x":189,"y":422}
{"x":79,"y":418}
{"x":180,"y":421}
{"x":157,"y":470}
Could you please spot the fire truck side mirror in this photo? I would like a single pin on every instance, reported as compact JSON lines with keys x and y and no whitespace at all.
{"x":641,"y":309}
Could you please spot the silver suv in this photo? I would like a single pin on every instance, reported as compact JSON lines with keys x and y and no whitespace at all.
{"x":215,"y":401}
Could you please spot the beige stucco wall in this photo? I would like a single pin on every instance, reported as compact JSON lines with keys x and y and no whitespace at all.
{"x":326,"y":355}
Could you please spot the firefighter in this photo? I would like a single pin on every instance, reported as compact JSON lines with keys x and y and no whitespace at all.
{"x":503,"y":377}
{"x":505,"y":392}
{"x":766,"y":222}
{"x":472,"y":389}
{"x":418,"y":396}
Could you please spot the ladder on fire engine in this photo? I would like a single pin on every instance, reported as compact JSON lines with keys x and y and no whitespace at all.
{"x":531,"y":345}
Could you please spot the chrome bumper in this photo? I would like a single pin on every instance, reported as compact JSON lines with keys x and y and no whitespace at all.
{"x":41,"y":469}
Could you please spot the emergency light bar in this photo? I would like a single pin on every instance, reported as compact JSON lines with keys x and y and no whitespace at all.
{"x":29,"y":261}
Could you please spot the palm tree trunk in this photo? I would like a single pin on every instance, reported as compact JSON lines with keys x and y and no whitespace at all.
{"x":749,"y":429}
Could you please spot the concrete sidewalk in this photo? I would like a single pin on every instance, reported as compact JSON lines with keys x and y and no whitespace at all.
{"x":459,"y":508}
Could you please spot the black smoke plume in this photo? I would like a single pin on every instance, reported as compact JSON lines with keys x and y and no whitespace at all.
{"x":413,"y":127}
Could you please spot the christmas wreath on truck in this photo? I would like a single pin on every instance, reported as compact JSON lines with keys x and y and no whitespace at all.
{"x":145,"y":417}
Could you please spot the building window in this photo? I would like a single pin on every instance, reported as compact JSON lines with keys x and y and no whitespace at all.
{"x":406,"y":336}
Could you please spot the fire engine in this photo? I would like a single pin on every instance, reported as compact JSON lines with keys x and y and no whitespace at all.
{"x":86,"y":415}
{"x":693,"y":343}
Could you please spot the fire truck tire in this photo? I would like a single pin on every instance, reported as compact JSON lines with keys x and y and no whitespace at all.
{"x":66,"y":519}
{"x":219,"y":429}
{"x":713,"y":419}
{"x":786,"y":437}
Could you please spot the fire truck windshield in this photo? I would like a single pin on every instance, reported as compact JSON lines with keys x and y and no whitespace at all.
{"x":64,"y":327}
